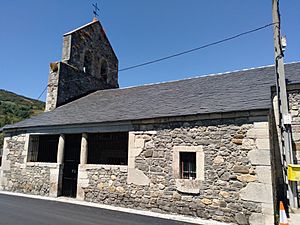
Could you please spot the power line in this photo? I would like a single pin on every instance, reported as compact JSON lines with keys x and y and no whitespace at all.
{"x":181,"y":53}
{"x":198,"y":48}
{"x":42,"y":92}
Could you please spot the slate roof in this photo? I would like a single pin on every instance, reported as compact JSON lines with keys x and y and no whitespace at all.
{"x":234,"y":91}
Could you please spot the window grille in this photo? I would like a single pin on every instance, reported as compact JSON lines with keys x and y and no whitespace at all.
{"x":33,"y":148}
{"x":43,"y":148}
{"x":188,"y":165}
{"x":108,"y":148}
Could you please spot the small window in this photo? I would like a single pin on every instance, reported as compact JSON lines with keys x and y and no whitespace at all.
{"x":43,"y":148}
{"x":188,"y":165}
{"x":108,"y":148}
{"x":87,"y":64}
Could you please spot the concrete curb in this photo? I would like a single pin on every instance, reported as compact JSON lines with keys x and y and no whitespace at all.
{"x":180,"y":218}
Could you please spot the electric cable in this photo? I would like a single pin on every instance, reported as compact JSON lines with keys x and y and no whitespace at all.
{"x":181,"y":53}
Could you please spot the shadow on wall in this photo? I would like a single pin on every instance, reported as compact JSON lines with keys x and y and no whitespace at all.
{"x":279,"y":188}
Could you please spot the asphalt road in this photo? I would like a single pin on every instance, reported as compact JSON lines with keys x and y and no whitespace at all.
{"x":25,"y":211}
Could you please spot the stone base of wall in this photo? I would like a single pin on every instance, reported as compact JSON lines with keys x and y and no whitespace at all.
{"x":236,"y":186}
{"x":18,"y":175}
{"x":233,"y":183}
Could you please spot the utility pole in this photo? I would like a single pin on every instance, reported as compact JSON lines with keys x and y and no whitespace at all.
{"x":285,"y":139}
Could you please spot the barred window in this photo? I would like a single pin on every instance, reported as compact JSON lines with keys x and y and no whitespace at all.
{"x":33,"y":148}
{"x":188,"y":162}
{"x":43,"y":148}
{"x":108,"y":148}
{"x":188,"y":165}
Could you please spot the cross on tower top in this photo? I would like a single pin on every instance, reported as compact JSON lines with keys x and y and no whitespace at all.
{"x":95,"y":10}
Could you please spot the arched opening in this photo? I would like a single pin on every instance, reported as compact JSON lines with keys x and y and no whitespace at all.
{"x":87,"y":63}
{"x":103,"y":70}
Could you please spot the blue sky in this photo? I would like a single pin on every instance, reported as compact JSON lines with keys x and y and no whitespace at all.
{"x":31,"y":37}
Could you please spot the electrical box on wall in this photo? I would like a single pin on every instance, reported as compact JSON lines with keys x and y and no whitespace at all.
{"x":293,"y":172}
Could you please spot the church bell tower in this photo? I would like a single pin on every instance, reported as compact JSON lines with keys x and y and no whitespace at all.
{"x":88,"y":64}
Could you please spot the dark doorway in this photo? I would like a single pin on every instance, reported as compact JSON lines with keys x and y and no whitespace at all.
{"x":71,"y":162}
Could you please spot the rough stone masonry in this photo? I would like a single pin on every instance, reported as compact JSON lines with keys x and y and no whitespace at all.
{"x":88,"y":64}
{"x":294,"y":105}
{"x":236,"y":186}
{"x":237,"y":165}
{"x":229,"y":137}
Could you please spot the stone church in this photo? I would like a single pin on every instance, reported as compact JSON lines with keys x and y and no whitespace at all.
{"x":205,"y":147}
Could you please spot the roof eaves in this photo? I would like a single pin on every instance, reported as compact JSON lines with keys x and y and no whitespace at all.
{"x":12,"y":127}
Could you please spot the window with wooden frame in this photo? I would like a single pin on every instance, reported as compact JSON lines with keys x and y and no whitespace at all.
{"x":188,"y":165}
{"x":188,"y":162}
{"x":188,"y":168}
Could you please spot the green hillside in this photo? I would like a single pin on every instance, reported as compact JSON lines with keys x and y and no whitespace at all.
{"x":14,"y":108}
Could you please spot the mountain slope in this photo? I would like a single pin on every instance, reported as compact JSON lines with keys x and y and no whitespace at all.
{"x":14,"y":108}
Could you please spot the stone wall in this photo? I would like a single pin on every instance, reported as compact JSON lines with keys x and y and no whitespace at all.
{"x":74,"y":84}
{"x":91,"y":38}
{"x":52,"y":88}
{"x":17,"y":175}
{"x":233,"y":182}
{"x":102,"y":183}
{"x":236,"y":186}
{"x":67,"y":83}
{"x":294,"y":104}
{"x":85,"y":52}
{"x":280,"y":192}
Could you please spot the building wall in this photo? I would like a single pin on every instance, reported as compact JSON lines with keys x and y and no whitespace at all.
{"x":234,"y":156}
{"x":279,"y":176}
{"x":294,"y":104}
{"x":85,"y":51}
{"x":92,"y":39}
{"x":18,"y":175}
{"x":236,"y":186}
{"x":67,"y":83}
{"x":52,"y":88}
{"x":74,"y":83}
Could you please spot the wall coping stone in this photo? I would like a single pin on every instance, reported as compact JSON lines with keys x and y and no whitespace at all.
{"x":102,"y":166}
{"x":45,"y":164}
